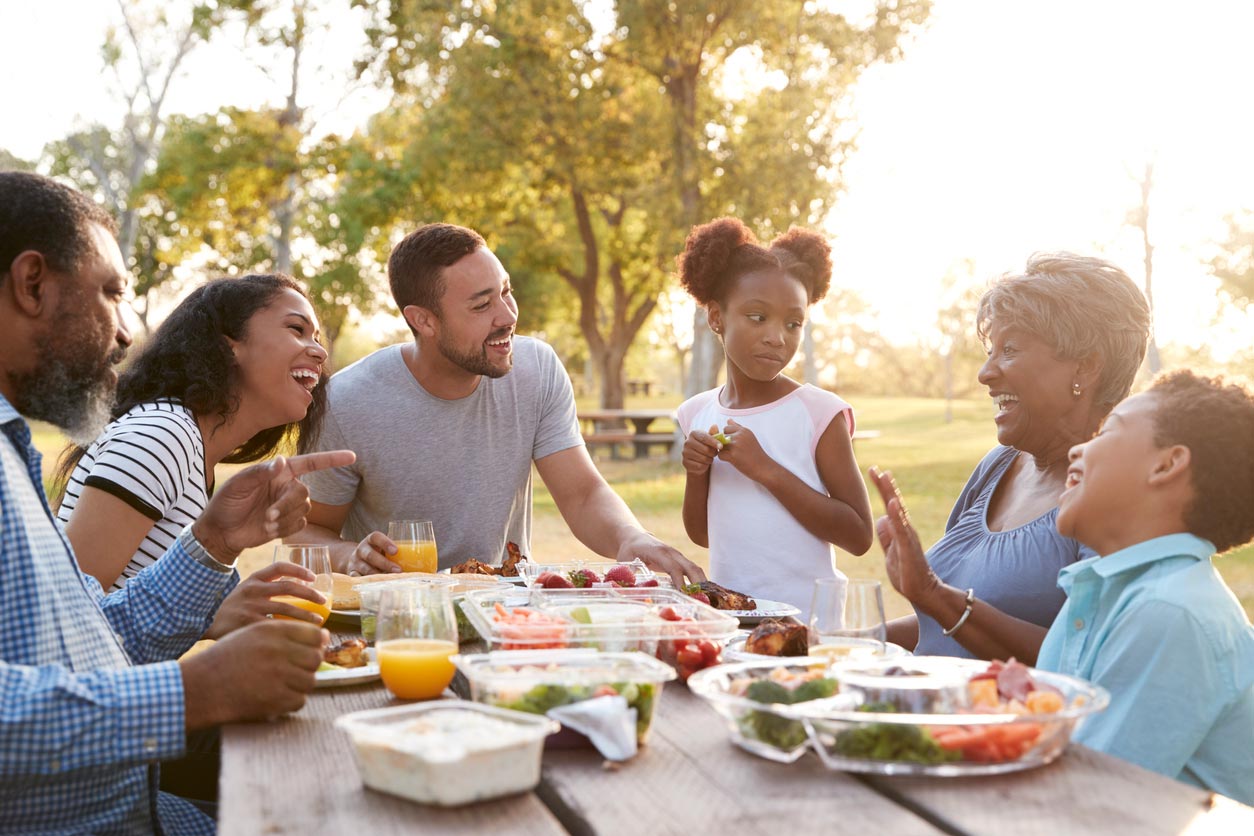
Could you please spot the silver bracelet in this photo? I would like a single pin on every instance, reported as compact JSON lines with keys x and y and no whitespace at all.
{"x":966,"y":613}
{"x":199,"y":553}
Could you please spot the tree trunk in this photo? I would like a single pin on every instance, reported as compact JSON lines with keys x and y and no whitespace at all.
{"x":809,"y":369}
{"x":1147,"y":185}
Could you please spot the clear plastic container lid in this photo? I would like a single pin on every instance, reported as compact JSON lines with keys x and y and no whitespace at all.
{"x":389,"y":725}
{"x":610,"y":619}
{"x":529,"y":571}
{"x":515,"y":669}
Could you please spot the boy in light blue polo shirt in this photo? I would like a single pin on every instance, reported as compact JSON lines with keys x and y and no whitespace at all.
{"x":1167,"y":482}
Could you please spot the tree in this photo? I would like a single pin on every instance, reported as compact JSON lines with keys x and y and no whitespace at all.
{"x":143,"y":57}
{"x":1140,"y":219}
{"x":595,"y":143}
{"x":1234,"y":264}
{"x":12,"y":162}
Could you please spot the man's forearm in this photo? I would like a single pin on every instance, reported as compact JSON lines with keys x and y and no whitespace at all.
{"x":341,"y":549}
{"x":603,"y":522}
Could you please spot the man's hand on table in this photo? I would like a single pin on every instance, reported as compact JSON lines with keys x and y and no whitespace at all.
{"x":253,"y":599}
{"x":261,"y":503}
{"x":257,"y":672}
{"x":370,"y":556}
{"x":660,"y":557}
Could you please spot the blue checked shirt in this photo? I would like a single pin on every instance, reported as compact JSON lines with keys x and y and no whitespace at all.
{"x":90,"y":695}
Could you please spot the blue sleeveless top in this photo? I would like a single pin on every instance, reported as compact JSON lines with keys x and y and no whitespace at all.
{"x":1015,"y":570}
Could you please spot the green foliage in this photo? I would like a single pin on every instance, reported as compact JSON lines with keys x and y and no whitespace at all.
{"x":12,"y":162}
{"x":1234,"y":265}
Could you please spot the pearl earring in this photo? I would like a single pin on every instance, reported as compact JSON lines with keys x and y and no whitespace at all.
{"x":1075,"y":389}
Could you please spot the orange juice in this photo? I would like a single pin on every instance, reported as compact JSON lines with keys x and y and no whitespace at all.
{"x":320,"y":610}
{"x":416,"y":669}
{"x":416,"y":555}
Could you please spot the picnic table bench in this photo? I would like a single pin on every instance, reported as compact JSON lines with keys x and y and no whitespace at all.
{"x":296,"y":775}
{"x":606,"y":428}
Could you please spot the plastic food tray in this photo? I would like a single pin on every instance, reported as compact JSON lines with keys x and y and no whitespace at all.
{"x":529,"y":571}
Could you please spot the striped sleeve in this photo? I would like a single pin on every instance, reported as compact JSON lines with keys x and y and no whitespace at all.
{"x":147,"y":461}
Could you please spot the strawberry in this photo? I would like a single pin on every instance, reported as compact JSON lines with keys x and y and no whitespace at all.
{"x":552,"y":580}
{"x":694,"y":592}
{"x":583,"y":578}
{"x":621,"y":575}
{"x":649,"y":582}
{"x":669,"y":614}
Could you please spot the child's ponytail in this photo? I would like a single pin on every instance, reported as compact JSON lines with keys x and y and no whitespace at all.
{"x":807,"y":256}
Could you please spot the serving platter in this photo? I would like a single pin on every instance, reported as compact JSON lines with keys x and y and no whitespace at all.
{"x":764,"y":609}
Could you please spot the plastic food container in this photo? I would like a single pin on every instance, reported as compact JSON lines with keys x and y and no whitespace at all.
{"x":371,"y":592}
{"x":660,"y":621}
{"x":529,"y":571}
{"x":736,"y":652}
{"x":853,"y":733}
{"x":448,"y":753}
{"x":535,"y":681}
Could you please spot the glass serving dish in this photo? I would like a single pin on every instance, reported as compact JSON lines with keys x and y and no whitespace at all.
{"x":659,"y":621}
{"x":641,"y":574}
{"x":735,"y":652}
{"x":535,"y":681}
{"x":878,"y":721}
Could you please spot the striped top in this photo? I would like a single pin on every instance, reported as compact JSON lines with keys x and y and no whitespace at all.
{"x":153,"y":459}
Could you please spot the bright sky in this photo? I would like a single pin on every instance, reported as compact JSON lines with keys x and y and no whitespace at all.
{"x":1010,"y":127}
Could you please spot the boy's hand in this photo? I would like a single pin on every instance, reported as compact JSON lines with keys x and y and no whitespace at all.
{"x":904,"y":560}
{"x":743,"y":451}
{"x":700,"y":448}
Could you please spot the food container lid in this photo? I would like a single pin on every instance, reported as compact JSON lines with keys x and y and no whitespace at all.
{"x":387,"y":725}
{"x":529,"y":571}
{"x":590,"y":616}
{"x":572,"y":666}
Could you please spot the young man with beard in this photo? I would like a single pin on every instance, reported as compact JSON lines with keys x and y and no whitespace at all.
{"x":447,"y":427}
{"x":92,"y":693}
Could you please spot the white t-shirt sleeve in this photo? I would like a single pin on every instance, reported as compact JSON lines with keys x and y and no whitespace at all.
{"x":147,"y":462}
{"x":823,"y":407}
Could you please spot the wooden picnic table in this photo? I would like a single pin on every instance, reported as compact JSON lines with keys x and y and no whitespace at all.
{"x":604,"y":427}
{"x":296,"y":775}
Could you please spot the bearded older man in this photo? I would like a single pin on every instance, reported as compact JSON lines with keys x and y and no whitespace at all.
{"x":92,"y":694}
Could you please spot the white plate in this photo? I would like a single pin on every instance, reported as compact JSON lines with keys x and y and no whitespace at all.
{"x":765,"y":609}
{"x":347,"y":676}
{"x":735,"y":652}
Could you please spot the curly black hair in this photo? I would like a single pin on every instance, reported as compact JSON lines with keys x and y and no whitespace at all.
{"x":1215,"y":420}
{"x":416,"y":265}
{"x":38,"y":213}
{"x":718,"y":253}
{"x":189,"y":359}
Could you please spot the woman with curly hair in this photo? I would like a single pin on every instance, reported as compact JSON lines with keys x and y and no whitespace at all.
{"x":772,"y":483}
{"x":234,"y":371}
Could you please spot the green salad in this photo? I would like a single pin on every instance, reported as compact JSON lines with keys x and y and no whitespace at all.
{"x":773,"y":729}
{"x":541,"y":698}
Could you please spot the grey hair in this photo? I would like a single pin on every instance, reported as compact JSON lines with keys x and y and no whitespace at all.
{"x":1081,"y":306}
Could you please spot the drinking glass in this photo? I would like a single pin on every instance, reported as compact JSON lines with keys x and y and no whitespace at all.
{"x":415,"y":545}
{"x":847,"y":618}
{"x":316,"y":559}
{"x":415,"y":634}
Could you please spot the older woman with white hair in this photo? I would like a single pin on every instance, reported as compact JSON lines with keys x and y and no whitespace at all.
{"x":1065,"y":340}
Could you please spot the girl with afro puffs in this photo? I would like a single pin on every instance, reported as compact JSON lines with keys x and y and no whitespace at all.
{"x":772,"y":483}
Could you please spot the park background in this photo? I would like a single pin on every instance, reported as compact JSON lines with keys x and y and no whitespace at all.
{"x":937,"y":144}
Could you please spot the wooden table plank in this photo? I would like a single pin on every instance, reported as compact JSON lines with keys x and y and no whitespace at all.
{"x":691,"y":779}
{"x":296,"y":775}
{"x":1083,"y":792}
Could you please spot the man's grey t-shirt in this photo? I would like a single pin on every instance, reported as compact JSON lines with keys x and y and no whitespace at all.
{"x":463,"y":464}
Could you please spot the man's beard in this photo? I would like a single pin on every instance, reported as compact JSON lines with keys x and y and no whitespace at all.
{"x":73,"y":390}
{"x":472,"y":362}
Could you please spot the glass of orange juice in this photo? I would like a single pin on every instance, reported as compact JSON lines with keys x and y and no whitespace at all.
{"x":415,"y":545}
{"x":415,"y":634}
{"x":316,"y":559}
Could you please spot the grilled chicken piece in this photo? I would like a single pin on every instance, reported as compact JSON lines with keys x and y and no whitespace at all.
{"x":350,"y":653}
{"x":779,"y":637}
{"x":473,"y":567}
{"x":722,"y":598}
{"x":509,"y":568}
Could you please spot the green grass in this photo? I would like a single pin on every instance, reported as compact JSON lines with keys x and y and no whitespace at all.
{"x":931,"y":460}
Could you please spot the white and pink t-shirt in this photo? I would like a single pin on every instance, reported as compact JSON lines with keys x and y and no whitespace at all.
{"x":756,"y":545}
